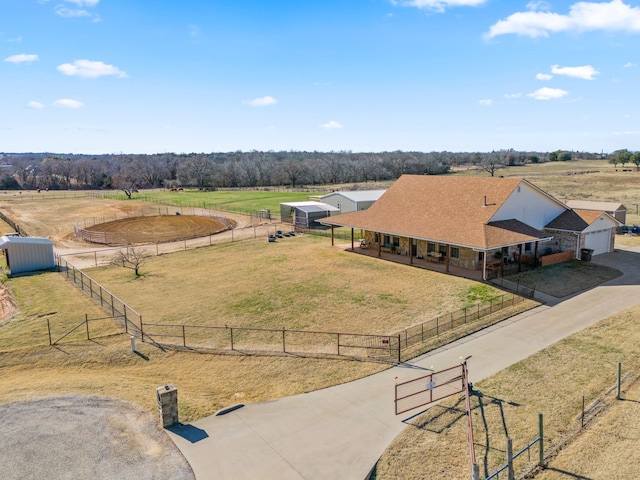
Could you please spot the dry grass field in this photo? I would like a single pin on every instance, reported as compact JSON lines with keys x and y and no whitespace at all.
{"x":551,"y":382}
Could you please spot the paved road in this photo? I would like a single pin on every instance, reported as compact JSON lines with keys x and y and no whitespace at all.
{"x":340,"y":432}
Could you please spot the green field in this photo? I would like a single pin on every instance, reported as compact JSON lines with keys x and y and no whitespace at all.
{"x":239,"y":201}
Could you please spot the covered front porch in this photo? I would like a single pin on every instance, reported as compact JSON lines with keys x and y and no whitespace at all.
{"x":441,"y":257}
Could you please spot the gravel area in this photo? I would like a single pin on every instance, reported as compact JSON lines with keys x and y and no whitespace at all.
{"x":74,"y":437}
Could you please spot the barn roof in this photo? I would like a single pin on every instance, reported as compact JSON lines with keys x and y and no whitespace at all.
{"x":7,"y":240}
{"x":595,"y":205}
{"x":358,"y":195}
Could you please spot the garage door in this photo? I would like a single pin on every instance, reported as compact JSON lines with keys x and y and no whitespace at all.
{"x":599,"y":242}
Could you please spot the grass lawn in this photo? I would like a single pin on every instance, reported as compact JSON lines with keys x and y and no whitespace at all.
{"x":563,"y":279}
{"x":552,"y":382}
{"x":299,"y":283}
{"x":241,"y":201}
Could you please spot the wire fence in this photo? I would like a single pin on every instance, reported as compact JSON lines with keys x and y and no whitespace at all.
{"x":425,"y":331}
{"x":266,"y":340}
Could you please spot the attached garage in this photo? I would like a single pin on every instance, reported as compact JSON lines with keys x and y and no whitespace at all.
{"x":27,"y":254}
{"x":599,"y":242}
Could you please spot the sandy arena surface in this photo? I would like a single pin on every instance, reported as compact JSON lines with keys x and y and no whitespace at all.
{"x":73,"y":437}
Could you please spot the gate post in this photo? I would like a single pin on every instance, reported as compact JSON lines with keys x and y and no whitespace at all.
{"x":475,"y":472}
{"x":510,"y":472}
{"x":541,"y":436}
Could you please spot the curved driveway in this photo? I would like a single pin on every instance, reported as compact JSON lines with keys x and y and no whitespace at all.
{"x":340,"y":432}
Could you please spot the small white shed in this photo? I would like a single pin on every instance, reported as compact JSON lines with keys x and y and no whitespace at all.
{"x":27,"y":254}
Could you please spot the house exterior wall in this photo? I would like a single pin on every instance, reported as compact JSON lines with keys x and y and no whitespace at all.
{"x":564,"y":241}
{"x":529,"y":206}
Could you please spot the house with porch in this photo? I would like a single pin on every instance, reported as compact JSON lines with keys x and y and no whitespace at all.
{"x":474,"y":223}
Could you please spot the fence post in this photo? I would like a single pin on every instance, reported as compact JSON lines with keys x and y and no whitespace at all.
{"x":49,"y":330}
{"x":231,"y":329}
{"x":184,"y":337}
{"x":100,"y":294}
{"x":141,"y":329}
{"x":86,"y":324}
{"x":437,"y":326}
{"x":338,"y":344}
{"x":510,"y":472}
{"x":541,"y":436}
{"x":619,"y":383}
{"x":113,"y":311}
{"x":284,"y":346}
{"x":90,"y":288}
{"x":475,"y":472}
{"x":399,"y":350}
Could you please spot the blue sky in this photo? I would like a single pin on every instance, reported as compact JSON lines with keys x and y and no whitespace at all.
{"x":139,"y":76}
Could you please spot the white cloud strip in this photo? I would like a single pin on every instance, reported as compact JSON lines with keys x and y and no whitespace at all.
{"x":544,"y":76}
{"x":21,"y":58}
{"x":586,"y":72}
{"x":331,"y":125}
{"x":67,"y":103}
{"x":262,"y":101}
{"x":35,"y":105}
{"x":90,"y":69}
{"x":547,"y":93}
{"x":613,"y":16}
{"x":438,"y":5}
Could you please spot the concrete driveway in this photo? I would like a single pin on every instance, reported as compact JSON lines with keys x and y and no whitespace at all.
{"x":340,"y":432}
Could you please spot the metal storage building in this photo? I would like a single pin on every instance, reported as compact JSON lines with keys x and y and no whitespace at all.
{"x":27,"y":254}
{"x":352,"y":201}
{"x":305,"y":214}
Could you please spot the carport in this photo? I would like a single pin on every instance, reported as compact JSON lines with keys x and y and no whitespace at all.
{"x":27,"y":254}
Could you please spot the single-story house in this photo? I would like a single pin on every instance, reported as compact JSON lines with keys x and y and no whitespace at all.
{"x":352,"y":201}
{"x":27,"y":254}
{"x":472,"y":223}
{"x":305,"y":214}
{"x":616,"y":210}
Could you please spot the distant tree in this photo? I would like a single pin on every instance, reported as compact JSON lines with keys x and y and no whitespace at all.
{"x":635,"y":159}
{"x":132,"y":257}
{"x":7,"y":182}
{"x":491,"y":162}
{"x":624,"y":157}
{"x":614,"y":160}
{"x":564,"y":156}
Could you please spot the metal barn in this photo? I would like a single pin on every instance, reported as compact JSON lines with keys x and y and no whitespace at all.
{"x":27,"y":254}
{"x":353,"y":201}
{"x":305,"y":214}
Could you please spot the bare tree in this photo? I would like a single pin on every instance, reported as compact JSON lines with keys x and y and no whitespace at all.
{"x":132,"y":258}
{"x":491,"y":162}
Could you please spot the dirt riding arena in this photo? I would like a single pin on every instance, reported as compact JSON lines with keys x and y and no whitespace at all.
{"x":152,"y":229}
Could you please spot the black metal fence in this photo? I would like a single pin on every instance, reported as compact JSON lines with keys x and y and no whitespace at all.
{"x":436,"y":326}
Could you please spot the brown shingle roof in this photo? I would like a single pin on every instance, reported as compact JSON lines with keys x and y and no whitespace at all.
{"x":452,"y":210}
{"x":569,"y":221}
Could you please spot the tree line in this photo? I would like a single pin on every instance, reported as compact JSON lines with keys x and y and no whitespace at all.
{"x":293,"y":169}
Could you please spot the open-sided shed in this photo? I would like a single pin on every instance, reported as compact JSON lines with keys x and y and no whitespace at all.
{"x":305,"y":214}
{"x":27,"y":254}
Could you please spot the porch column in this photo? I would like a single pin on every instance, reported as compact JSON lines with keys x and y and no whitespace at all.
{"x":446,"y":260}
{"x":484,"y":265}
{"x":332,"y":235}
{"x":535,"y":256}
{"x":352,"y":244}
{"x":410,"y":251}
{"x":379,"y":244}
{"x":519,"y":258}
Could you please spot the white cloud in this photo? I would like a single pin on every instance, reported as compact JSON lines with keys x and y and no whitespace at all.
{"x":512,"y":96}
{"x":15,"y":40}
{"x":331,"y":125}
{"x":438,"y":5}
{"x":547,"y":93}
{"x":90,"y":69}
{"x":486,"y":102}
{"x":629,"y":65}
{"x":67,"y":103}
{"x":21,"y":58}
{"x":35,"y":105}
{"x":78,"y":9}
{"x":84,"y":3}
{"x":586,"y":72}
{"x":614,"y":16}
{"x":544,"y":76}
{"x":262,"y":101}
